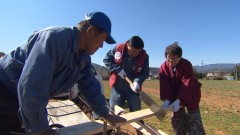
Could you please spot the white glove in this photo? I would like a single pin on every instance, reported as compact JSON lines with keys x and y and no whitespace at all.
{"x":165,"y":104}
{"x":74,"y":92}
{"x":135,"y":87}
{"x":122,"y":74}
{"x":176,"y":105}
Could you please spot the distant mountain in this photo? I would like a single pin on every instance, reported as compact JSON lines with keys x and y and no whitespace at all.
{"x":103,"y":71}
{"x":220,"y":67}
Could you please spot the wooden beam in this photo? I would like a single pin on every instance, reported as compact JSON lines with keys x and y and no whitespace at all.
{"x":88,"y":128}
{"x":138,"y":125}
{"x":144,"y":130}
{"x":94,"y":127}
{"x":136,"y":116}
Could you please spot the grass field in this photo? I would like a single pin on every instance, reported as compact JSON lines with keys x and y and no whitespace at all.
{"x":220,"y":106}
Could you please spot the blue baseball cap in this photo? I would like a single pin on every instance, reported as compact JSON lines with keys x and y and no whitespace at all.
{"x":102,"y":21}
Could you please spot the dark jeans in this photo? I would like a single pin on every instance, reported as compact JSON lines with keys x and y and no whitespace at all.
{"x":9,"y":120}
{"x":119,"y":98}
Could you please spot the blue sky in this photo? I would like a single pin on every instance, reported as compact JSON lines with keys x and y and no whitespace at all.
{"x":207,"y":30}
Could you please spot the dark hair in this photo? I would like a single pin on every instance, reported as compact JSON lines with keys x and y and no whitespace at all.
{"x":174,"y":49}
{"x":136,"y":42}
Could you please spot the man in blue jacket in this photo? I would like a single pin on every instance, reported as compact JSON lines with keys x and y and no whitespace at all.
{"x":127,"y":60}
{"x":47,"y":64}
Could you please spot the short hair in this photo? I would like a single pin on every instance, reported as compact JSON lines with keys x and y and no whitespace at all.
{"x":2,"y":54}
{"x":85,"y":24}
{"x":174,"y":49}
{"x":136,"y":42}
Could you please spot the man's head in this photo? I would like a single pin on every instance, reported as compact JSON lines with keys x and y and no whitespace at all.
{"x":135,"y":45}
{"x":2,"y":54}
{"x":101,"y":21}
{"x":173,"y":54}
{"x":95,"y":29}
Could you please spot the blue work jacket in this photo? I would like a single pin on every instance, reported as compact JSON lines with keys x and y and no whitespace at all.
{"x":47,"y":64}
{"x":128,"y":64}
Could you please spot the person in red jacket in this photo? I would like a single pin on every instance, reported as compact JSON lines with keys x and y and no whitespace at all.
{"x":179,"y":89}
{"x":127,"y":60}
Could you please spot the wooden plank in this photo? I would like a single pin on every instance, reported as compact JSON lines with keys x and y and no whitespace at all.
{"x":139,"y":125}
{"x":136,"y":116}
{"x":88,"y":128}
{"x":65,"y":113}
{"x":160,"y":113}
{"x":136,"y":125}
{"x":94,"y":127}
{"x":143,"y":129}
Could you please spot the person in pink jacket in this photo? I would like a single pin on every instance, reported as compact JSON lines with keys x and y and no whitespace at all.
{"x":181,"y":91}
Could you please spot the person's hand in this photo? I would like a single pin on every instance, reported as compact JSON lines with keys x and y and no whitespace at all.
{"x":176,"y":105}
{"x":165,"y":104}
{"x":113,"y":119}
{"x":73,"y":93}
{"x":122,"y":74}
{"x":135,"y":87}
{"x":48,"y":131}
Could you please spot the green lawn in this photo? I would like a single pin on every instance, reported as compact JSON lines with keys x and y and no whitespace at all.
{"x":220,"y":106}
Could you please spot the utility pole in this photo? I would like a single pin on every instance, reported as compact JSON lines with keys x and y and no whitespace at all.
{"x":202,"y":70}
{"x":236,"y":72}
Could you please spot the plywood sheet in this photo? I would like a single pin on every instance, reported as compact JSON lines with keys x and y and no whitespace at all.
{"x":65,"y":113}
